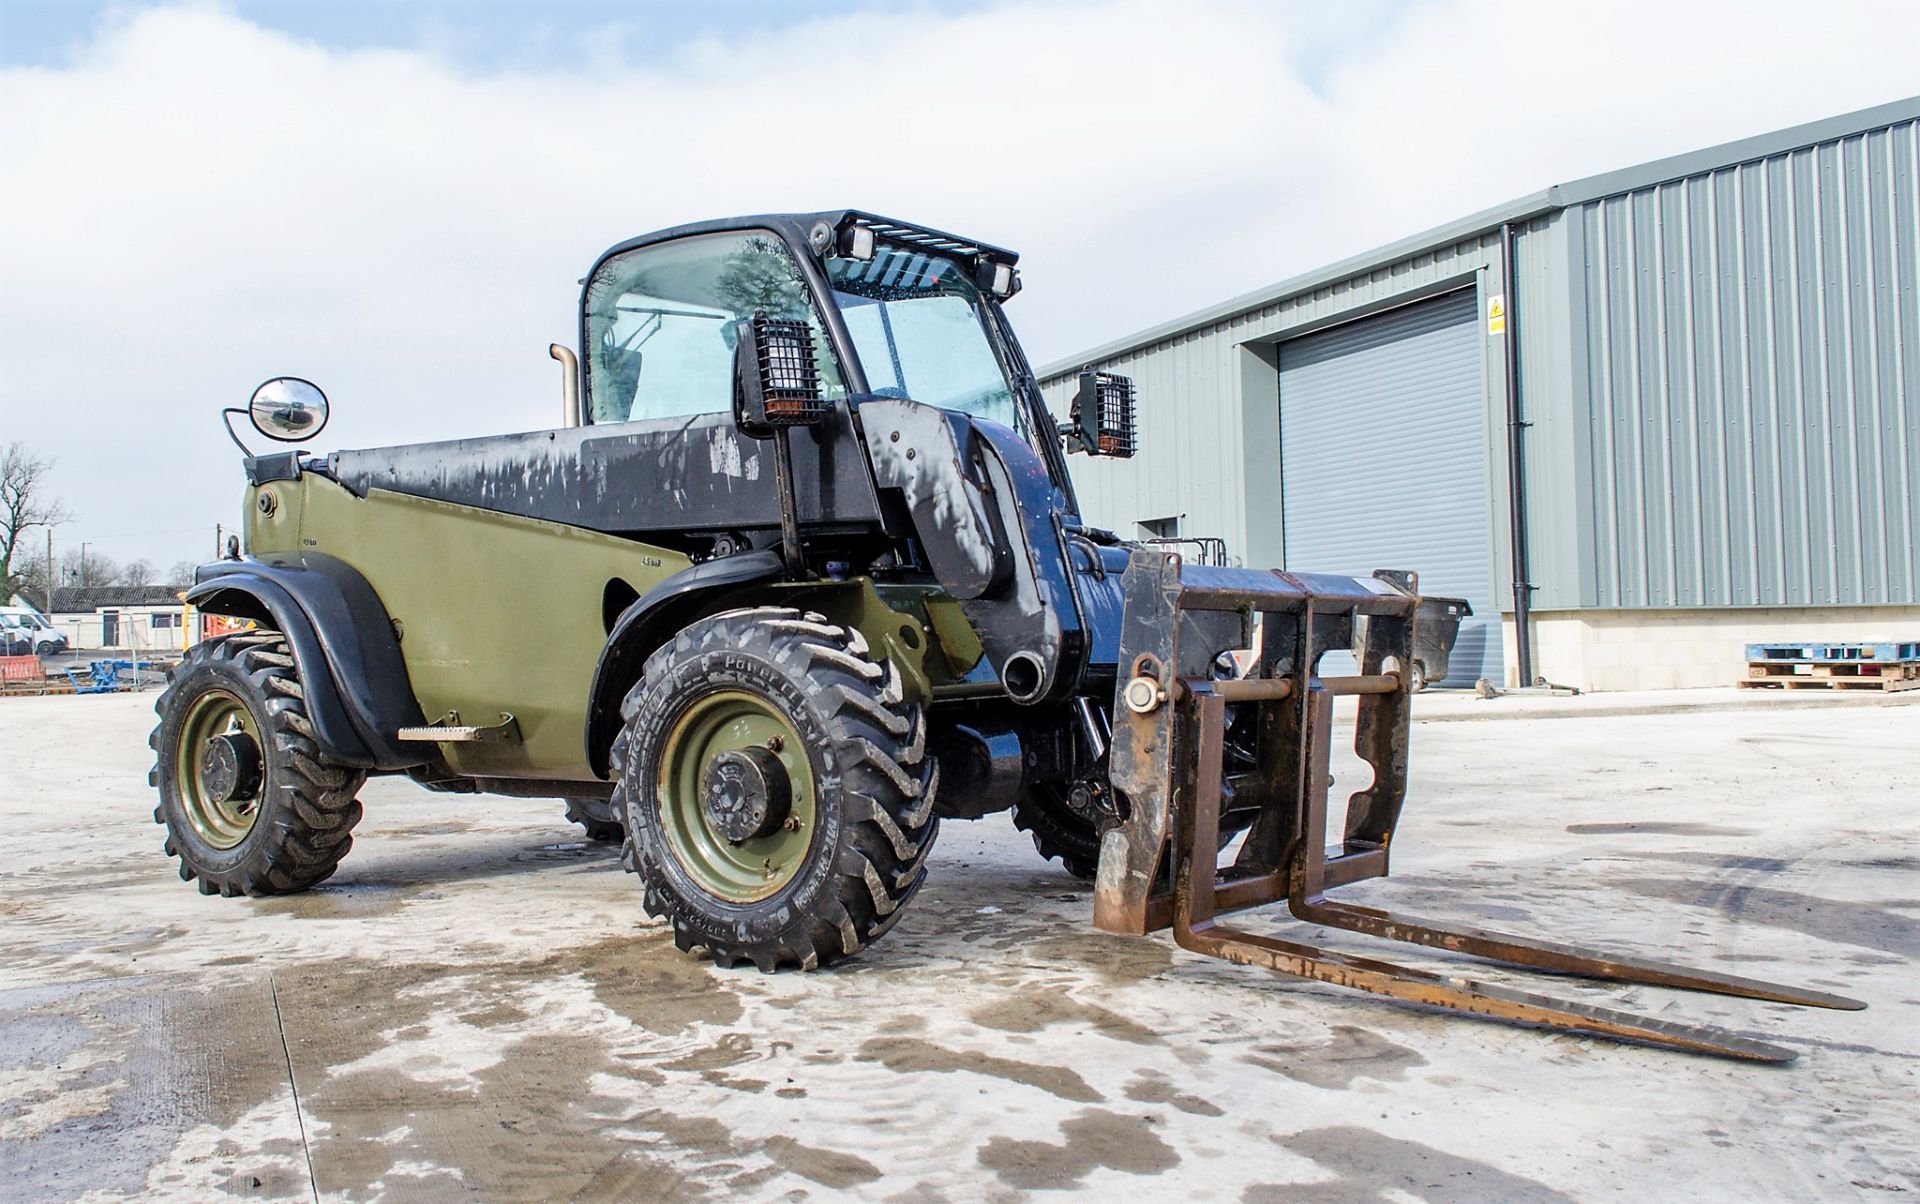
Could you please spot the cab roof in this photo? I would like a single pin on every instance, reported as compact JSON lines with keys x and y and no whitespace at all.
{"x":817,"y":230}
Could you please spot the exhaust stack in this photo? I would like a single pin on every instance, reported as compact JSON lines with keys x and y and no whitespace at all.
{"x":569,"y":383}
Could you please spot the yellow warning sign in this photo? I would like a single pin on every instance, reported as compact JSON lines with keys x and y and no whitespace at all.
{"x":1497,"y":314}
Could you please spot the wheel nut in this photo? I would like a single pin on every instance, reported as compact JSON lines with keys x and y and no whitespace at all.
{"x":792,"y":824}
{"x":775,"y":744}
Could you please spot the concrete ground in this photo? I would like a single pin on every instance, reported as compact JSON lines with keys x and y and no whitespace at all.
{"x":476,"y":1007}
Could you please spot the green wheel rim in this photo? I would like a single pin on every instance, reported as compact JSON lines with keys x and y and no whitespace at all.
{"x":732,"y":720}
{"x":222,"y":823}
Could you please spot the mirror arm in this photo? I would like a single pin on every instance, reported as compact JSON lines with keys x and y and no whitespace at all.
{"x":226,"y":416}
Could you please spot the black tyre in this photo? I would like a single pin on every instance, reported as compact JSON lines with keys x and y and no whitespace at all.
{"x":1058,"y":833}
{"x":598,"y":817}
{"x":777,"y":790}
{"x":249,"y":804}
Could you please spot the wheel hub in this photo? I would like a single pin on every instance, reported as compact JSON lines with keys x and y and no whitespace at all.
{"x":737,"y":795}
{"x":746,"y":794}
{"x":219,"y":767}
{"x":230,"y":767}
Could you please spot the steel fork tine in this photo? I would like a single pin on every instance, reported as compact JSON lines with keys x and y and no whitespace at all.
{"x":1552,"y":955}
{"x":1465,"y":995}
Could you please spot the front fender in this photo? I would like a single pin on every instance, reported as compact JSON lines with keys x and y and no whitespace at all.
{"x":650,"y":622}
{"x":357,"y":691}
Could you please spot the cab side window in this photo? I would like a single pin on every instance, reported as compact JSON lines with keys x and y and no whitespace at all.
{"x":660,"y":323}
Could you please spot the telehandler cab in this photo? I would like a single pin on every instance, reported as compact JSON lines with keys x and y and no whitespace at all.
{"x":814,"y":578}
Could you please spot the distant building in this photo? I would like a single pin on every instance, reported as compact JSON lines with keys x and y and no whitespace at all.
{"x":134,"y":618}
{"x":1706,"y":368}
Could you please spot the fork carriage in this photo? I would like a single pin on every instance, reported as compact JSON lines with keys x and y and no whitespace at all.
{"x":1169,"y":766}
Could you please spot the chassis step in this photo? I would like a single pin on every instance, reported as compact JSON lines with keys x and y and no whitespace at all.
{"x":449,"y":730}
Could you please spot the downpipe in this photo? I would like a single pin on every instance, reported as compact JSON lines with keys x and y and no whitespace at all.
{"x":1516,"y":467}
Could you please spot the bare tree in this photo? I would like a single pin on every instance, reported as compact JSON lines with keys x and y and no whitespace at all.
{"x":138,"y":572}
{"x":30,"y":569}
{"x":88,"y":569}
{"x":180,"y":576}
{"x":24,"y":504}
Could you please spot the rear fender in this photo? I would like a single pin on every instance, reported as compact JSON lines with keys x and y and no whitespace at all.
{"x":355,"y":680}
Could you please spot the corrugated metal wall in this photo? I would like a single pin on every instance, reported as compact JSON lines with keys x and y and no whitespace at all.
{"x":1747,"y":355}
{"x":1209,"y":408}
{"x":1721,"y":373}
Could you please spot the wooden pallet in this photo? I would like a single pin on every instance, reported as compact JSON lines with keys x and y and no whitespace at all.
{"x":1846,"y":675}
{"x":1883,"y":651}
{"x":35,"y":689}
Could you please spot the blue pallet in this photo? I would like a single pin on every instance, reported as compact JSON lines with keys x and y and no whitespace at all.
{"x":1886,"y":653}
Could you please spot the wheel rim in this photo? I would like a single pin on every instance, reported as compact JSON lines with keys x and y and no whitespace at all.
{"x":221,"y":799}
{"x":733,"y":721}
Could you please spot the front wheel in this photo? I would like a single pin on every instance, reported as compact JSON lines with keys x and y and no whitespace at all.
{"x":250,"y":805}
{"x":777,"y":790}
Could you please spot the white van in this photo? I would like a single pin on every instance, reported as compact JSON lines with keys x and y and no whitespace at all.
{"x":24,"y":632}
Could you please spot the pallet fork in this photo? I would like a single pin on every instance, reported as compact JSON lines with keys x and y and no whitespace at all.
{"x":1171,"y":779}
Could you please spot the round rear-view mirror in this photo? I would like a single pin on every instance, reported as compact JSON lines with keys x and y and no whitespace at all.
{"x":288,"y":409}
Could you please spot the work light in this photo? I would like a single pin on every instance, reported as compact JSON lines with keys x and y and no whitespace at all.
{"x":1102,"y":415}
{"x":780,"y":384}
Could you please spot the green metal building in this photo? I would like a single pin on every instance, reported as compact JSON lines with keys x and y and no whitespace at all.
{"x":1705,"y":370}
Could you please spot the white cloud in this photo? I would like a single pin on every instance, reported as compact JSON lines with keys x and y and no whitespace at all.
{"x":195,"y":203}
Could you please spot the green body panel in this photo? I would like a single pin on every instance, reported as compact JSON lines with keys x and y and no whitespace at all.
{"x":918,"y":627}
{"x":496,"y":612}
{"x":895,"y":635}
{"x":959,"y":643}
{"x":503,"y":614}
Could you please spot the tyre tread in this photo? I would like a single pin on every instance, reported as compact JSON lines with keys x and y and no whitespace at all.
{"x":887,"y":788}
{"x":307,"y":820}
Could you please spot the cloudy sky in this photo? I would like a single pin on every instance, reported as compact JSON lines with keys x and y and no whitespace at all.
{"x":396,"y":199}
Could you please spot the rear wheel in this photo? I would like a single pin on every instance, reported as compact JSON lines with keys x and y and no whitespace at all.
{"x":1059,"y":833}
{"x":598,"y":817}
{"x":776,"y":787}
{"x":1062,"y":834}
{"x":249,"y":804}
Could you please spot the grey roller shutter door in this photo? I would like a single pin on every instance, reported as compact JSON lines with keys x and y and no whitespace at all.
{"x":1383,"y":460}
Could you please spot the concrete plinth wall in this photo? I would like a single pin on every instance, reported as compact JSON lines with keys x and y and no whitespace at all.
{"x":1599,"y":650}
